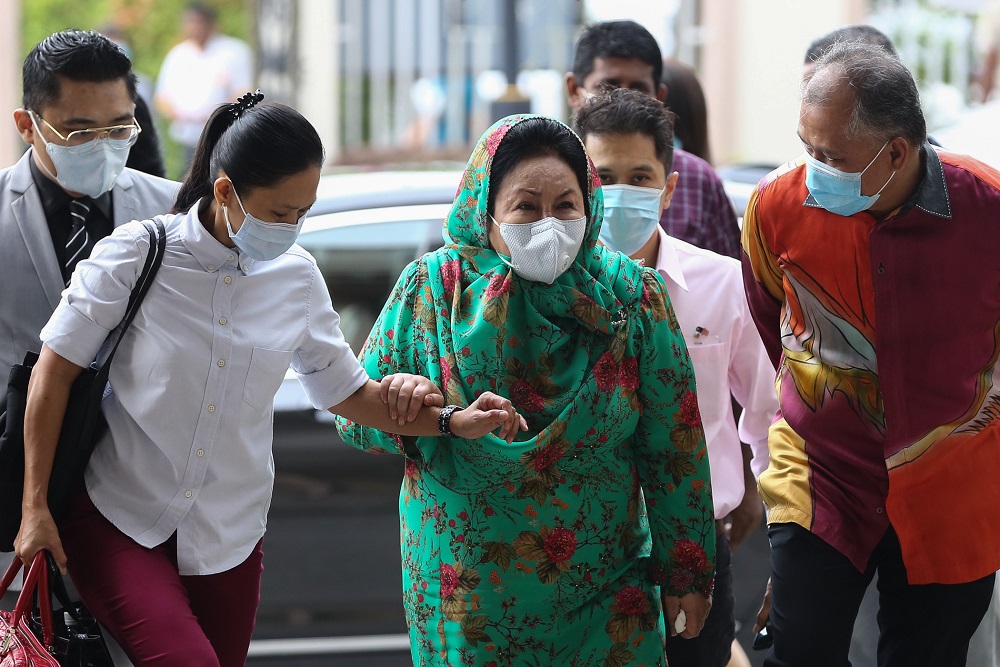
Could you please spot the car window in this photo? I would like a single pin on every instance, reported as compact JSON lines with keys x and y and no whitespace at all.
{"x":362,"y":253}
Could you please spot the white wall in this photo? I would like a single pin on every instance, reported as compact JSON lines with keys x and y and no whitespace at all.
{"x":318,"y":53}
{"x":751,"y":71}
{"x":11,"y":145}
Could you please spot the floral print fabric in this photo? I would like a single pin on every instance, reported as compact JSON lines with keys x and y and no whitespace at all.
{"x":550,"y":550}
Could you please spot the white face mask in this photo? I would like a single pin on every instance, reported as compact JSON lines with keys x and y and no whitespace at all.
{"x":259,"y":239}
{"x":541,"y":251}
{"x":90,"y":169}
{"x":631,"y":215}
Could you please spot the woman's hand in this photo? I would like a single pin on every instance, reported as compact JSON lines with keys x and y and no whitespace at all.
{"x":695,"y":607}
{"x":484,"y":415}
{"x":406,"y":394}
{"x":38,"y":531}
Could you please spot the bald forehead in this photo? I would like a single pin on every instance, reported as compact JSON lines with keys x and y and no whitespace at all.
{"x":828,"y":86}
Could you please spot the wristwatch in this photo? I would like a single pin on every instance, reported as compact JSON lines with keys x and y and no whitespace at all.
{"x":444,"y":418}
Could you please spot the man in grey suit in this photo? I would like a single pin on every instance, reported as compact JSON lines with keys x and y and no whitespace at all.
{"x":70,"y":188}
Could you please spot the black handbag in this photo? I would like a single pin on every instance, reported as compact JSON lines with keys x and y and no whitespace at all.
{"x":83,"y":424}
{"x":77,"y":640}
{"x":38,"y":633}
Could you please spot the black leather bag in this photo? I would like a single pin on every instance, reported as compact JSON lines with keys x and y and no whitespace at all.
{"x":77,"y":640}
{"x":82,"y":426}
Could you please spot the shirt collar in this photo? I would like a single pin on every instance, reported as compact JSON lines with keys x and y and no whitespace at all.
{"x":932,"y":193}
{"x":54,"y":198}
{"x":667,"y":261}
{"x":205,"y":248}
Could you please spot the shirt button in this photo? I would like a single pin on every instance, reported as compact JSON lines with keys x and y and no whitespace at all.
{"x":211,"y":408}
{"x":188,"y":494}
{"x":223,"y":321}
{"x":231,"y":257}
{"x":229,"y":279}
{"x":201,"y":452}
{"x":222,"y":362}
{"x":211,"y":267}
{"x":881,"y":269}
{"x":878,"y":510}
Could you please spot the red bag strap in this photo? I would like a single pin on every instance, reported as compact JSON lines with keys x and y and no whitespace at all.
{"x":38,"y":577}
{"x":8,"y":577}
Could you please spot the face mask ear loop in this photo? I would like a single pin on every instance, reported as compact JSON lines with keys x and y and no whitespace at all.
{"x":238,"y":200}
{"x":876,"y":156}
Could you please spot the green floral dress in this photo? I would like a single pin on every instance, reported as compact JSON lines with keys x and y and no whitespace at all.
{"x":550,"y":550}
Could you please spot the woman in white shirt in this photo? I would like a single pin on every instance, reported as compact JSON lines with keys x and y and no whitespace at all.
{"x":164,"y":543}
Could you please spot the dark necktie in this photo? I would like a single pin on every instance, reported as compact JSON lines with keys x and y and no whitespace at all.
{"x":79,"y":239}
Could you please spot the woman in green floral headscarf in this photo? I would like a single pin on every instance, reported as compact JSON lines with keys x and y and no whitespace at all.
{"x":549,"y":550}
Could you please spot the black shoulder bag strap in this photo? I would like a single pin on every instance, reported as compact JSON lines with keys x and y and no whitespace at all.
{"x":157,"y":248}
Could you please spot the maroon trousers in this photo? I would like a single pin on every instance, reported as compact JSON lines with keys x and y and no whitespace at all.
{"x":159,"y":617}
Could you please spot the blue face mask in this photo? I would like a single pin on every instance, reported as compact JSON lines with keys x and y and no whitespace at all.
{"x":837,"y":191}
{"x":259,"y":239}
{"x":631,"y":215}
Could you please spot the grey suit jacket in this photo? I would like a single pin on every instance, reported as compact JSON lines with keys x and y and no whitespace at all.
{"x":30,"y":276}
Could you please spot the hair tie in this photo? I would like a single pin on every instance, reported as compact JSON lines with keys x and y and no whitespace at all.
{"x":248,"y":101}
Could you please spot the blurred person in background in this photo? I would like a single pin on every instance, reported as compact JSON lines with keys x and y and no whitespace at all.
{"x":203,"y":71}
{"x":686,"y":100}
{"x":860,"y":33}
{"x":146,"y":155}
{"x":868,"y":268}
{"x":629,"y":137}
{"x":987,"y":41}
{"x":165,"y":541}
{"x":623,"y":54}
{"x":554,"y":549}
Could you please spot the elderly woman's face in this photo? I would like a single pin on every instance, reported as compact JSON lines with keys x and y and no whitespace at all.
{"x":538,"y":187}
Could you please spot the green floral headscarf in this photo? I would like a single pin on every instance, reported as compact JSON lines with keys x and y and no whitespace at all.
{"x":540,"y":344}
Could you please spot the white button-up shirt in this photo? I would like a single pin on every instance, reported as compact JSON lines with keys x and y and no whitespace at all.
{"x":190,"y":411}
{"x":706,"y":290}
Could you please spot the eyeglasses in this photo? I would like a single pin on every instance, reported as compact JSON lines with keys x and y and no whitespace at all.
{"x":119,"y":137}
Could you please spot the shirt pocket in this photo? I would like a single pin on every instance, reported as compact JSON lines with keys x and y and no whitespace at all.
{"x":710,"y":358}
{"x":267,"y":370}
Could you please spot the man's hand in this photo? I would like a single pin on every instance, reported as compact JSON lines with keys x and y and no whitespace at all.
{"x":747,"y":516}
{"x":405,"y":394}
{"x":486,"y":413}
{"x":695,"y":606}
{"x":765,"y":609}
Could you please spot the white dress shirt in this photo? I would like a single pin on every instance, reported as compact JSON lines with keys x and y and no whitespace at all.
{"x":706,"y":290}
{"x":190,"y":411}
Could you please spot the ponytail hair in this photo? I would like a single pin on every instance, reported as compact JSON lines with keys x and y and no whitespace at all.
{"x":256,"y":146}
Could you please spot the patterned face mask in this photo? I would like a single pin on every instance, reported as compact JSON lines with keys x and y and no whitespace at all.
{"x":541,"y":251}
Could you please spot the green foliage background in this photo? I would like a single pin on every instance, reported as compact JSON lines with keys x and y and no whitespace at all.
{"x":151,"y":28}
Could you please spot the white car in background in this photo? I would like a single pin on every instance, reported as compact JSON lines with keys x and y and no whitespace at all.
{"x":363,"y":230}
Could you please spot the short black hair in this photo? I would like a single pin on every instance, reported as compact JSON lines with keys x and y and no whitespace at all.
{"x":861,"y":32}
{"x":886,"y":101}
{"x":623,"y":111}
{"x":533,"y":138}
{"x":206,"y":12}
{"x":76,"y":55}
{"x":616,"y":39}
